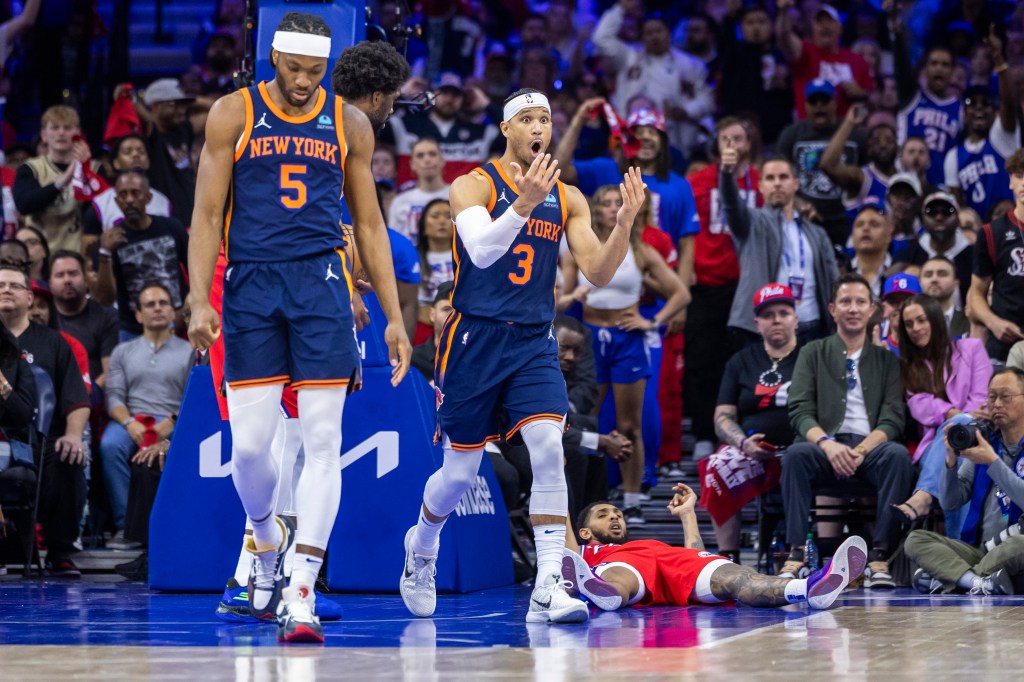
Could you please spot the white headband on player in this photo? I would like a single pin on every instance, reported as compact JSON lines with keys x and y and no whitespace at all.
{"x":305,"y":44}
{"x":526,"y":101}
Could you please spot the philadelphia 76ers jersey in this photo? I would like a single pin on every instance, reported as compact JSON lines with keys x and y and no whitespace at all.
{"x":520,"y":286}
{"x":284,"y":202}
{"x":937,"y":122}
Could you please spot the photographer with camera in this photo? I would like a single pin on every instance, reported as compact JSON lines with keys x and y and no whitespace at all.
{"x":990,"y":480}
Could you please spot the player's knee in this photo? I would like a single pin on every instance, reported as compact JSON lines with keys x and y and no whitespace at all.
{"x":251,"y":444}
{"x":321,"y":442}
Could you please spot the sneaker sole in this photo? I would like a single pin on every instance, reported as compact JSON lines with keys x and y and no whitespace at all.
{"x":236,"y":614}
{"x":572,"y":614}
{"x":601,"y":594}
{"x":848,"y":563}
{"x":407,"y":543}
{"x":301,"y":633}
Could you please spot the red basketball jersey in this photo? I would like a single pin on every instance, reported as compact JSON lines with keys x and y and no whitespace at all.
{"x":669,"y":573}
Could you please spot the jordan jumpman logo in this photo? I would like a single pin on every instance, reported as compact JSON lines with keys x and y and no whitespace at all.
{"x":330,"y":274}
{"x":262,"y":122}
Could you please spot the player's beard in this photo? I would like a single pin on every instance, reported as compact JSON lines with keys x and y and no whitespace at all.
{"x":607,"y":538}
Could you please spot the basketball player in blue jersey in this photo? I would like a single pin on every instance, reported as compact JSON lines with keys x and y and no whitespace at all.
{"x":271,"y":176}
{"x":497,"y":365}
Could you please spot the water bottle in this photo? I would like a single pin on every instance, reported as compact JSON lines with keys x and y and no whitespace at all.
{"x":811,"y":554}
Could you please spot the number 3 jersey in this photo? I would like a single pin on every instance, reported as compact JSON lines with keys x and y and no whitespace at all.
{"x":520,"y":286}
{"x":284,"y":201}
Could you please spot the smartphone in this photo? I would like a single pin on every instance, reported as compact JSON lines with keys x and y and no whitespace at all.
{"x":765,"y":445}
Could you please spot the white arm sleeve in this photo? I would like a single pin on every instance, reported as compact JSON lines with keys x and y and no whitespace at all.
{"x":951,"y":169}
{"x":487,"y":240}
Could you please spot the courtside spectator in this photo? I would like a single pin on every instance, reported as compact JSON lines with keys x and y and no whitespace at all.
{"x":146,"y":383}
{"x":846,"y":407}
{"x":940,"y":217}
{"x":38,"y":252}
{"x":866,"y":183}
{"x":63,"y":480}
{"x":169,"y":138}
{"x":434,"y":245}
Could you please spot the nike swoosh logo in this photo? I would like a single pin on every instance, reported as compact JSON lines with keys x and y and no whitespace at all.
{"x":543,"y":605}
{"x":550,"y":531}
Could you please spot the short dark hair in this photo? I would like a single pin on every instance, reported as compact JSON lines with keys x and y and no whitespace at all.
{"x":132,"y":171}
{"x":570,"y":323}
{"x":942,"y":259}
{"x":14,"y":268}
{"x":851,"y":278}
{"x":521,"y":91}
{"x":68,"y":253}
{"x":583,"y":519}
{"x":116,"y":149}
{"x":1015,"y":371}
{"x":153,"y":284}
{"x":781,"y":159}
{"x":432,"y":140}
{"x":300,"y":22}
{"x":369,"y":67}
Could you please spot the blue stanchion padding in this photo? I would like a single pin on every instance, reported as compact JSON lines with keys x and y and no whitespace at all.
{"x":371,"y":339}
{"x":387,"y":455}
{"x":347,"y":19}
{"x":379,"y":504}
{"x":197,"y":522}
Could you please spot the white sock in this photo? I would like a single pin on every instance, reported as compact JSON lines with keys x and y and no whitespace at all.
{"x":969,"y":580}
{"x":244,"y":564}
{"x":306,"y":569}
{"x":796,"y":591}
{"x":427,"y":538}
{"x":631,"y":499}
{"x":267,"y":532}
{"x":550,"y":540}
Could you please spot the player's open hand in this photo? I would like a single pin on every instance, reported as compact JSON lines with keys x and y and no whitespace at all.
{"x":632,"y":189}
{"x":399,"y":350}
{"x":204,"y":327}
{"x":684,"y":501}
{"x":536,"y":183}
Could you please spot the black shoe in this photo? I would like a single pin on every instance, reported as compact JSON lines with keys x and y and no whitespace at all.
{"x":925,"y":583}
{"x":136,"y":571}
{"x":634,"y":516}
{"x":1000,"y":582}
{"x":61,"y":566}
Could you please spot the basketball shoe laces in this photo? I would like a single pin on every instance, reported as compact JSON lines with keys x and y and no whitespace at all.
{"x":265,"y":565}
{"x":551,"y":590}
{"x":423,"y":570}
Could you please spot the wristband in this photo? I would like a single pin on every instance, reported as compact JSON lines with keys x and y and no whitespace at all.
{"x":104,"y":253}
{"x":127,"y":421}
{"x":743,"y":441}
{"x":825,"y":437}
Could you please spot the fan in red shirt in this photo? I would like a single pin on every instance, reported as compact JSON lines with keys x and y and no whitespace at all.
{"x":823,"y":58}
{"x":612,"y":571}
{"x":717,"y":271}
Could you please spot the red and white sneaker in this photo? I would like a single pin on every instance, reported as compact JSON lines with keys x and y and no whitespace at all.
{"x":296,"y":621}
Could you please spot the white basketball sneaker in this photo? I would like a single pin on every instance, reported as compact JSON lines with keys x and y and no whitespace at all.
{"x":417,"y":584}
{"x":551,"y":603}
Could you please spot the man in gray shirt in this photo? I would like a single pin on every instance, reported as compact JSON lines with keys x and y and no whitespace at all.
{"x":145,"y":385}
{"x":990,"y":480}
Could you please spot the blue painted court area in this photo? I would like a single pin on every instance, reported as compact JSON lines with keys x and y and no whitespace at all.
{"x":110,"y":613}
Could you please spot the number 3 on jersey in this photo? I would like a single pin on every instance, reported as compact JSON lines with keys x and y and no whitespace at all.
{"x":290,"y":184}
{"x":524,"y":268}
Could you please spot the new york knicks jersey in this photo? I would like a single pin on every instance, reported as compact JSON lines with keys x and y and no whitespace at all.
{"x":519,"y":287}
{"x":284,"y":202}
{"x":937,"y":122}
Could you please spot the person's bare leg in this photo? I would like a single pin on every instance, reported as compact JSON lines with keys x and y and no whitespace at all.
{"x":629,"y":402}
{"x":623,"y":580}
{"x":728,"y":536}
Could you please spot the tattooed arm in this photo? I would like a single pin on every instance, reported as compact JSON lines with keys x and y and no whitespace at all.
{"x":682,"y":506}
{"x":726,"y":425}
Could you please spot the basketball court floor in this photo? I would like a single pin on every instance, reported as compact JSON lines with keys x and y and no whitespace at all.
{"x":99,"y":629}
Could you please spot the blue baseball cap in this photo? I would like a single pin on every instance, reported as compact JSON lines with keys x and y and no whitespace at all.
{"x":819,"y":86}
{"x":901,"y":284}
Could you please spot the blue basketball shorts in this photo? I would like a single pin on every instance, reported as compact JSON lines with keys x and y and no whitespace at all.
{"x":622,"y":357}
{"x":493,"y":377}
{"x":290,"y":322}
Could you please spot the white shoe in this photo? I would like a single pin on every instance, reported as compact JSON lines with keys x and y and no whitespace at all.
{"x":826,"y":584}
{"x":601,"y":594}
{"x":550,"y":603}
{"x":417,"y":584}
{"x":296,"y":621}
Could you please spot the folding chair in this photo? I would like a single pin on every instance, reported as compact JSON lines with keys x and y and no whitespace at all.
{"x":46,"y":403}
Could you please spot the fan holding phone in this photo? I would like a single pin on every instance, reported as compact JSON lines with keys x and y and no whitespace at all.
{"x":751,"y":417}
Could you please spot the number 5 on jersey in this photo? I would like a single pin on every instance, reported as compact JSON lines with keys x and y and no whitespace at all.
{"x":291,"y":184}
{"x":524,"y":268}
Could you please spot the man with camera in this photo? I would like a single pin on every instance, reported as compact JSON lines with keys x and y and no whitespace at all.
{"x":989,"y":557}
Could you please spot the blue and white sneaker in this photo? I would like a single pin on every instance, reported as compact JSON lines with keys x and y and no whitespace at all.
{"x":267,"y":573}
{"x":826,"y":584}
{"x":234,"y":606}
{"x":586,"y":584}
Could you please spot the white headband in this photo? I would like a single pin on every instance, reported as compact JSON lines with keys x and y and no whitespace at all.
{"x":526,"y":101}
{"x":304,"y":44}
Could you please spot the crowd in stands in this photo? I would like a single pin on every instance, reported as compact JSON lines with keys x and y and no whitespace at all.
{"x":827,"y":273}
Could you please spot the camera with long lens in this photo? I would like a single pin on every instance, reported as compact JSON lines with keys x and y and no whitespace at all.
{"x":965,"y":436}
{"x":1010,"y":532}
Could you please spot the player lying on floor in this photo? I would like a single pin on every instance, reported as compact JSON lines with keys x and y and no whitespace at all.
{"x":612,"y":571}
